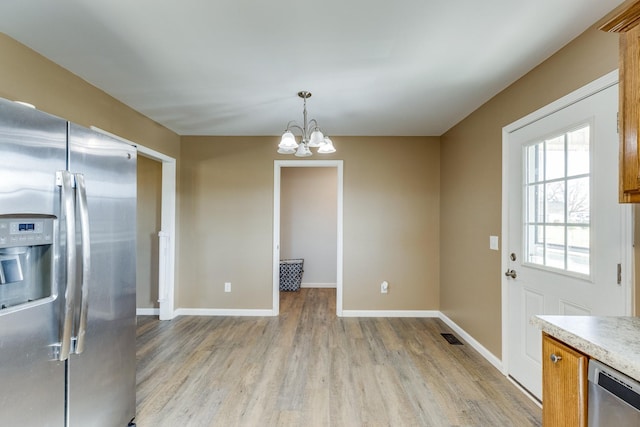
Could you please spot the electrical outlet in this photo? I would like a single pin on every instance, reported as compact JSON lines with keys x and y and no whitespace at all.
{"x":384,"y":287}
{"x":227,"y":286}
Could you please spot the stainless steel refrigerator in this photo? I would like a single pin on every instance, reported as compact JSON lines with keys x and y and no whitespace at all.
{"x":67,"y":273}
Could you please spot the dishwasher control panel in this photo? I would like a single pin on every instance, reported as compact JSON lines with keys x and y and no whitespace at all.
{"x":614,"y":398}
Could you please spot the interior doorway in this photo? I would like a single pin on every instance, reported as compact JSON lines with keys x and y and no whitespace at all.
{"x":308,"y":222}
{"x":166,"y":236}
{"x":148,"y":213}
{"x":278,"y":180}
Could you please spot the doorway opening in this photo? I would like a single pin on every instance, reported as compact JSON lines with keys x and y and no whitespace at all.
{"x":166,"y":236}
{"x":337,"y":165}
{"x":148,"y":214}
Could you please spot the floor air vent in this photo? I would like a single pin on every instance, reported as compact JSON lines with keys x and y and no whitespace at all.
{"x":451,"y":339}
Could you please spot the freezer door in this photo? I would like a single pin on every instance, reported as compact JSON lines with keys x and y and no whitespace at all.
{"x":102,"y":378}
{"x":32,"y":149}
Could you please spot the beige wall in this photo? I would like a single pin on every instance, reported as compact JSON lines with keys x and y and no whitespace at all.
{"x":391,"y":221}
{"x":309,"y":222}
{"x":471,"y":182}
{"x":148,"y":225}
{"x":27,"y":76}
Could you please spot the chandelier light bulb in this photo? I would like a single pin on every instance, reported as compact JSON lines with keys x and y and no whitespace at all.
{"x":327,"y":147}
{"x":288,"y":142}
{"x":317,"y":139}
{"x":303,"y":151}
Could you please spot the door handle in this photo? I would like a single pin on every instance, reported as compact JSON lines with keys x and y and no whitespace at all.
{"x":511,"y":273}
{"x":83,"y":211}
{"x":65,"y":180}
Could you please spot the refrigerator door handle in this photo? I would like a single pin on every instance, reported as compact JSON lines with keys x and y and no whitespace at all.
{"x":65,"y":180}
{"x":81,"y":194}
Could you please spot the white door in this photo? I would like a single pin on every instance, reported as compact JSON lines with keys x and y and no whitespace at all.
{"x":565,"y":226}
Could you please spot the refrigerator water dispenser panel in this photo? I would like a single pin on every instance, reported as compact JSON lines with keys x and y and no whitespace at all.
{"x":26,"y":259}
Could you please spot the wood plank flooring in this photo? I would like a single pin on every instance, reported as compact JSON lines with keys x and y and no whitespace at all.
{"x":308,"y":367}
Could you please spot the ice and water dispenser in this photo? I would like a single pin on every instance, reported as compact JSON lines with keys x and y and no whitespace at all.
{"x":26,"y":259}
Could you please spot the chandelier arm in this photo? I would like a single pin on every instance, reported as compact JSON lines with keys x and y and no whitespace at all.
{"x":315,"y":124}
{"x":289,"y":125}
{"x":295,"y":126}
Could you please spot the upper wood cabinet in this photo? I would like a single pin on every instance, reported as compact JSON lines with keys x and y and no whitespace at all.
{"x":627,"y":23}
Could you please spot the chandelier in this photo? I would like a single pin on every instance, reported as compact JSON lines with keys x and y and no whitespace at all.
{"x":312,"y":136}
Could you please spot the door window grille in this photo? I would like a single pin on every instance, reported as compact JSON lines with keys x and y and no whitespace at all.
{"x":557,"y":201}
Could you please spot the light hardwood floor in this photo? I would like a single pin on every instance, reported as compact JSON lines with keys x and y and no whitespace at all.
{"x":308,"y":367}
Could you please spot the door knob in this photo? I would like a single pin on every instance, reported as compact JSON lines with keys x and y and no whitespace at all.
{"x":511,"y":273}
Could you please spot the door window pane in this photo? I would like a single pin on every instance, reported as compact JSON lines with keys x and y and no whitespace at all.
{"x":535,"y":202}
{"x":555,"y":192}
{"x":578,"y":160}
{"x":555,"y":155}
{"x":555,"y":247}
{"x":535,"y":157}
{"x":578,"y":249}
{"x":558,"y":201}
{"x":578,"y":200}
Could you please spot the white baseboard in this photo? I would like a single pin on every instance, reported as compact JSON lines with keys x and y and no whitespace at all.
{"x":147,"y":311}
{"x":390,"y":313}
{"x":491,"y":358}
{"x":318,"y":285}
{"x":222,"y":312}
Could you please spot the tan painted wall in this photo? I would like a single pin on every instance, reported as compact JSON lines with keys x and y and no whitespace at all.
{"x":391,"y":221}
{"x":471,"y":182}
{"x":308,"y":221}
{"x":28,"y":76}
{"x":148,"y":224}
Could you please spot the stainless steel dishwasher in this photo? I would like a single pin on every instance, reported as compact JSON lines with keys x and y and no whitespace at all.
{"x":614,"y":398}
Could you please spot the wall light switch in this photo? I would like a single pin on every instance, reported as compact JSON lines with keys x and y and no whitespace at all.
{"x":493,"y":243}
{"x":227,"y":286}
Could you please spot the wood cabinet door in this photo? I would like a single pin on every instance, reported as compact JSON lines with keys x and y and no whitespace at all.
{"x":628,"y":115}
{"x":627,"y":23}
{"x":564,"y":385}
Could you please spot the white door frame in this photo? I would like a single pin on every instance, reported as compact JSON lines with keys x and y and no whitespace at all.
{"x":167,"y":234}
{"x":277,"y":167}
{"x":167,"y":239}
{"x":578,"y":95}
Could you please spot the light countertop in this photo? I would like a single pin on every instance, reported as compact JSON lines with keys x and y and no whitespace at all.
{"x":614,"y":341}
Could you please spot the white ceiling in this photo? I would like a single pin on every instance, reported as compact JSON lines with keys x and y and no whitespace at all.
{"x":234,"y":67}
